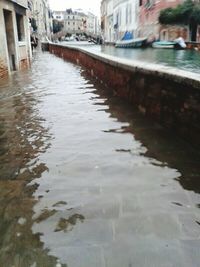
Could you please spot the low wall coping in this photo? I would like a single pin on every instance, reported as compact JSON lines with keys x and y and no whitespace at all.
{"x":170,"y":73}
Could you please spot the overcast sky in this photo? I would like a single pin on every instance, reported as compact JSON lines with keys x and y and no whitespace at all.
{"x":88,"y":5}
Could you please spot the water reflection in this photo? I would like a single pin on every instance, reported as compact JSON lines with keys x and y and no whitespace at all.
{"x":67,"y":224}
{"x":22,"y":139}
{"x":117,"y":193}
{"x":158,"y":142}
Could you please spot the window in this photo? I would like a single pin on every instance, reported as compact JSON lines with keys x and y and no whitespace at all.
{"x":30,"y":6}
{"x":20,"y":27}
{"x":127,"y":14}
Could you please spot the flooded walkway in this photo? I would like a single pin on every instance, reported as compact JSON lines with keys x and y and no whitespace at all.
{"x":86,"y":181}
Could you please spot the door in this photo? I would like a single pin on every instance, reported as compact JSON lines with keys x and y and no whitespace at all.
{"x":8,"y":18}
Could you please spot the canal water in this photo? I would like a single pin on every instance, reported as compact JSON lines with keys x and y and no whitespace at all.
{"x":188,"y":60}
{"x":86,"y":181}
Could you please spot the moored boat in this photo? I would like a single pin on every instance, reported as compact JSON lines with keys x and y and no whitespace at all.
{"x":164,"y":44}
{"x":132,"y":43}
{"x":178,"y":43}
{"x":129,"y":42}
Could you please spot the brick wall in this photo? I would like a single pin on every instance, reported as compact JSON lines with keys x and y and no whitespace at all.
{"x":171,"y":32}
{"x":193,"y":45}
{"x":171,"y":100}
{"x":23,"y":64}
{"x":3,"y":69}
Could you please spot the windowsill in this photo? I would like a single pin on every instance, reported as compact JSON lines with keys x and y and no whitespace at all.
{"x":22,"y":43}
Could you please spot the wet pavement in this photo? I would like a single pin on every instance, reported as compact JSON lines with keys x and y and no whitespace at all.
{"x":87,"y":181}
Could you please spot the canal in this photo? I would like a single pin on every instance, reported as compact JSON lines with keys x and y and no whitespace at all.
{"x":86,"y":181}
{"x":188,"y":60}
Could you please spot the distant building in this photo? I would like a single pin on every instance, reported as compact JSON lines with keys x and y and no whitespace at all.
{"x":91,"y":24}
{"x":103,"y":18}
{"x":15,"y":51}
{"x":107,"y":21}
{"x":141,"y":18}
{"x":77,"y":21}
{"x":148,"y":20}
{"x":58,"y":15}
{"x":40,"y":18}
{"x":118,"y":17}
{"x":125,"y":17}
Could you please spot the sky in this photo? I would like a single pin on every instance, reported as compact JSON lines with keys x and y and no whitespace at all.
{"x":88,"y":5}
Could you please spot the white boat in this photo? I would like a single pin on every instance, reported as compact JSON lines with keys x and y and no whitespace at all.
{"x":178,"y":43}
{"x":164,"y":44}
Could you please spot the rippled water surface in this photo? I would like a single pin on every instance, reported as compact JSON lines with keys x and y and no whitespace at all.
{"x":85,"y":181}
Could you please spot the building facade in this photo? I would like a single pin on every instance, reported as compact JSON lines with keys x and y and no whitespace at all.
{"x":125,"y":13}
{"x":91,"y":24}
{"x":109,"y":35}
{"x":77,"y":21}
{"x":58,"y":15}
{"x":118,"y":17}
{"x":103,"y":18}
{"x":40,"y":18}
{"x":141,"y":18}
{"x":15,"y":50}
{"x":149,"y":11}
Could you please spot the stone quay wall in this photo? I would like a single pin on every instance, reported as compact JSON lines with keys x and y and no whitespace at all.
{"x":166,"y":95}
{"x":193,"y":45}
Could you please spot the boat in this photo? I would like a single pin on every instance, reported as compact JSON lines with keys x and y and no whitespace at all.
{"x":164,"y":44}
{"x":129,"y":42}
{"x":176,"y":44}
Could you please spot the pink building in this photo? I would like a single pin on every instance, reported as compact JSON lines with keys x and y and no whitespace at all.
{"x":148,"y":20}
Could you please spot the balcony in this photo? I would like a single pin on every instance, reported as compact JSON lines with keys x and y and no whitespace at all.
{"x":23,"y":3}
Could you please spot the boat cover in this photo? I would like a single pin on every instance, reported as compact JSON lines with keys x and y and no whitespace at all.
{"x":127,"y":36}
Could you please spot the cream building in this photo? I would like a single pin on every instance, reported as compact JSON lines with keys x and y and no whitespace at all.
{"x":15,"y":51}
{"x":118,"y":17}
{"x":91,"y":24}
{"x":103,"y":18}
{"x":125,"y":13}
{"x":75,"y":21}
{"x":78,"y":21}
{"x":59,"y":15}
{"x":108,"y":33}
{"x":41,"y":17}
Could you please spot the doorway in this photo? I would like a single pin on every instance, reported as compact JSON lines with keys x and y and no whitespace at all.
{"x":9,"y":29}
